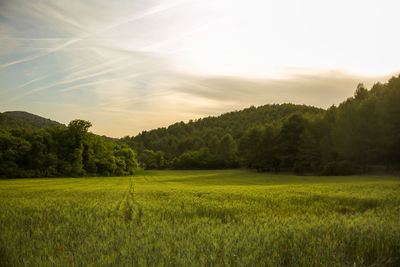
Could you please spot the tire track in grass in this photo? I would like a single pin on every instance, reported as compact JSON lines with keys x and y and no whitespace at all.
{"x":117,"y":207}
{"x":145,"y":179}
{"x":126,"y":207}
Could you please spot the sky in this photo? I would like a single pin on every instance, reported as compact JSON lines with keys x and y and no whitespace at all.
{"x":134,"y":65}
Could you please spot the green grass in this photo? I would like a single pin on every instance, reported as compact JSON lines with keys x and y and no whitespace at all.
{"x":211,"y":218}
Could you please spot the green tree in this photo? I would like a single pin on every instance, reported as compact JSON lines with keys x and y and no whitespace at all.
{"x":227,"y":151}
{"x":309,"y":154}
{"x":213,"y":144}
{"x":152,"y":160}
{"x":249,"y":145}
{"x":290,"y":136}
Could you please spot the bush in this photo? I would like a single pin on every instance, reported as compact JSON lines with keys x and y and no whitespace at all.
{"x":334,"y":168}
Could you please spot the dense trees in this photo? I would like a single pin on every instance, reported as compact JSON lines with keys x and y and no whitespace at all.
{"x":182,"y":142}
{"x":361,"y":134}
{"x":152,"y":160}
{"x":59,"y":151}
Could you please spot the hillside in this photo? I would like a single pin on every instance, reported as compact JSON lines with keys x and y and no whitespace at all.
{"x":361,"y":134}
{"x":22,"y":119}
{"x":181,"y":137}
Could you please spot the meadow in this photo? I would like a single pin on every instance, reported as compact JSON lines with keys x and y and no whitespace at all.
{"x":201,"y":218}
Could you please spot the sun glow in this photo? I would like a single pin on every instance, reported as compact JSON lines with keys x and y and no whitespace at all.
{"x":127,"y":55}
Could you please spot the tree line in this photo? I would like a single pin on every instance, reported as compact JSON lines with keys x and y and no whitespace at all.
{"x":359,"y":135}
{"x":62,"y":151}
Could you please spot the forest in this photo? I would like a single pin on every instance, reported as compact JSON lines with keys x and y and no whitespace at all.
{"x":360,"y":135}
{"x":62,"y":151}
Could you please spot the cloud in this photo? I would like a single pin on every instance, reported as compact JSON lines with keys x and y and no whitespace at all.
{"x":319,"y":89}
{"x":182,"y":97}
{"x":47,"y":52}
{"x":135,"y":65}
{"x":49,"y":13}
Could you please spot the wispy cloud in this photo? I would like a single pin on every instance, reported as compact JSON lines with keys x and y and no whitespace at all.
{"x":102,"y":81}
{"x":318,"y":89}
{"x":150,"y":12}
{"x":49,"y":51}
{"x":142,"y":64}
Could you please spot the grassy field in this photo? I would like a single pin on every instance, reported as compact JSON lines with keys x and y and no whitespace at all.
{"x":211,"y":218}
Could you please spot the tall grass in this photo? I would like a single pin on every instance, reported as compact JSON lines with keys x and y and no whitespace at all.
{"x":197,"y":218}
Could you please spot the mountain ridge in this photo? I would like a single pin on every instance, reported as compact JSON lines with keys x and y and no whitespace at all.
{"x":27,"y":120}
{"x":180,"y":136}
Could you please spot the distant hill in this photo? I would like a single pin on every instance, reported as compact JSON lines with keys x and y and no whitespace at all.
{"x":180,"y":137}
{"x":361,"y":134}
{"x":22,"y":119}
{"x":26,"y":120}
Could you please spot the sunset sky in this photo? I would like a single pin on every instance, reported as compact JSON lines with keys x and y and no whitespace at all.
{"x":132,"y":65}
